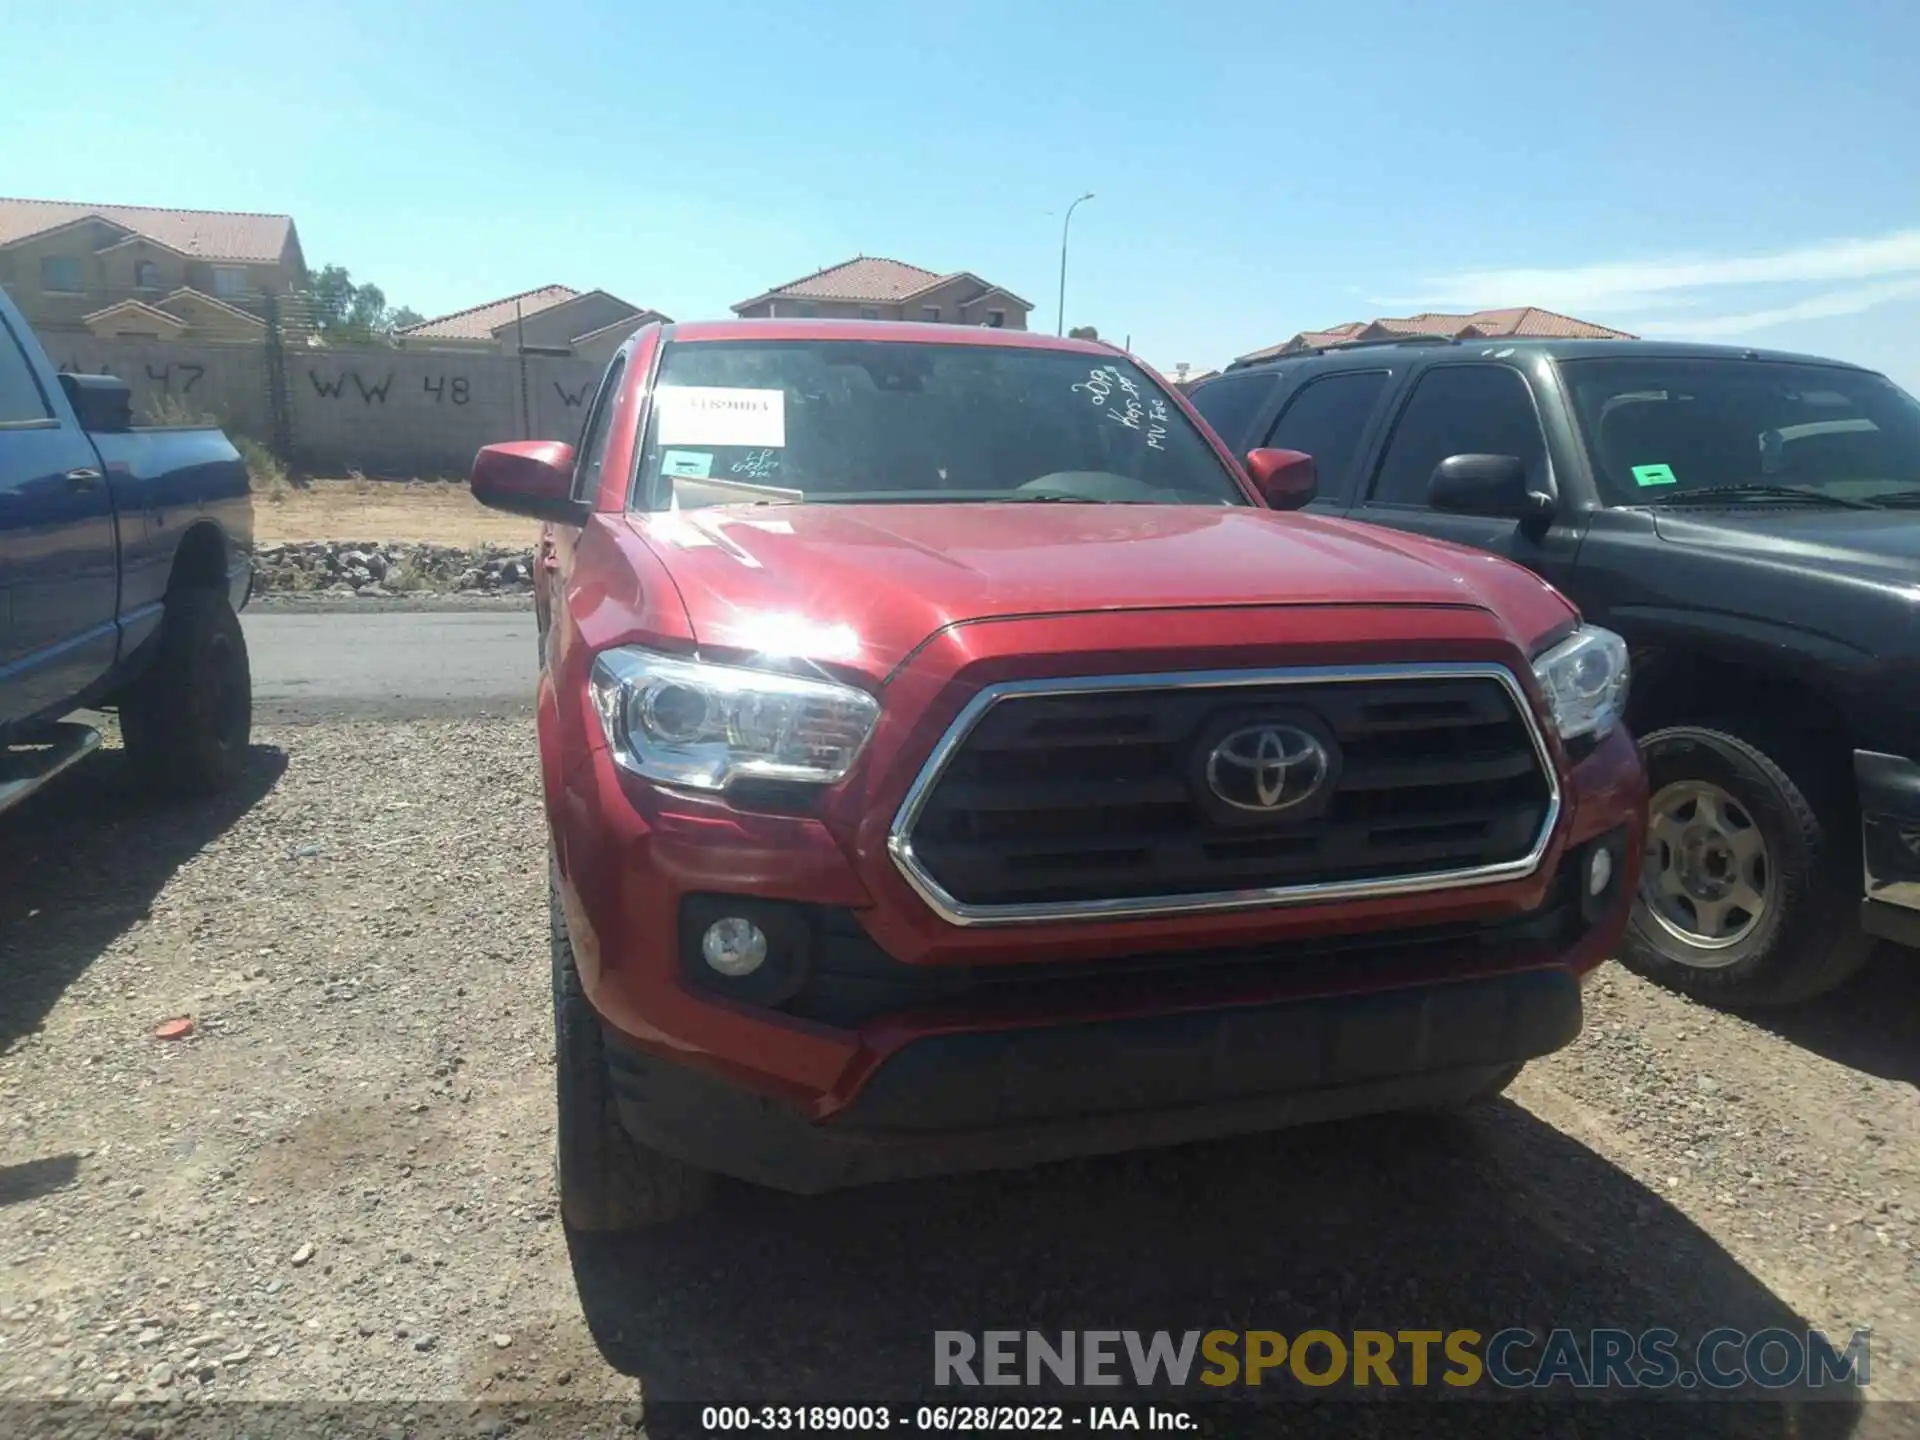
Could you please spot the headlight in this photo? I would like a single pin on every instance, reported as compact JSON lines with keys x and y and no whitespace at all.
{"x":1585,"y":680}
{"x":685,"y":722}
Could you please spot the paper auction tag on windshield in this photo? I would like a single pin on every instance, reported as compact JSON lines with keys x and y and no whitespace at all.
{"x":720,"y":415}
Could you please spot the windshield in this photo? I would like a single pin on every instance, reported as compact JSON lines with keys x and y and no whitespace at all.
{"x":1661,"y":431}
{"x":890,"y":422}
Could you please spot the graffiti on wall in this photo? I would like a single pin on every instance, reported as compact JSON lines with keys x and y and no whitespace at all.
{"x":336,"y":390}
{"x":443,"y":389}
{"x":186,"y":372}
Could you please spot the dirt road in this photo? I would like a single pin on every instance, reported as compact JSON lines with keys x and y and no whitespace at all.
{"x":442,"y":513}
{"x":338,"y":1186}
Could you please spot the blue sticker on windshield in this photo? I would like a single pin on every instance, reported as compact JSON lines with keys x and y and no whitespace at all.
{"x":1645,"y":475}
{"x":687,"y":464}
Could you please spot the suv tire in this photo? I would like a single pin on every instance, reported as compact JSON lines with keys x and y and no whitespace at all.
{"x":1805,"y":938}
{"x":188,"y":717}
{"x":608,"y":1181}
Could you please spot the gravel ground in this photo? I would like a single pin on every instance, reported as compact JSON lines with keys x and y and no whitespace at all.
{"x":337,"y":1188}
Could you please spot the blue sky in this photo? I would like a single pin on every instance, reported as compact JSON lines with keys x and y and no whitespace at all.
{"x":1736,"y":171}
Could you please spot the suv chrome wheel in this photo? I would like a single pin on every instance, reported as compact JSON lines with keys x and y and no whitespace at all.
{"x":1708,"y":877}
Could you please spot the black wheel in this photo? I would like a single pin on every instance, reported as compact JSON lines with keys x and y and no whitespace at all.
{"x":187,"y":719}
{"x":1747,"y":897}
{"x":608,"y":1181}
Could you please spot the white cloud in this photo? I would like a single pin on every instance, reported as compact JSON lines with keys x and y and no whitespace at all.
{"x":1648,"y":284}
{"x":1826,"y":305}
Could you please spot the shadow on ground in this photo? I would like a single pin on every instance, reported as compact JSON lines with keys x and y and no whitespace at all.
{"x":33,"y":1178}
{"x":1870,"y":1024}
{"x":82,"y":862}
{"x":1482,"y":1221}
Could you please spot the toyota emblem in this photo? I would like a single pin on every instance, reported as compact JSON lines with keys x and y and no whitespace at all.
{"x":1267,"y":768}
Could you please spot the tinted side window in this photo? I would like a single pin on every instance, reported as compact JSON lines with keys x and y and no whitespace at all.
{"x":1458,"y":410}
{"x":1229,"y":405}
{"x":20,"y":398}
{"x":1326,"y":419}
{"x":593,"y":439}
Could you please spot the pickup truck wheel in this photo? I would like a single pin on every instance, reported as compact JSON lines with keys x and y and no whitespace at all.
{"x":608,"y":1181}
{"x":1744,"y":897}
{"x":187,"y":719}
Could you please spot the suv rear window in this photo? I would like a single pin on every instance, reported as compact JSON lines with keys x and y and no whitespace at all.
{"x":1326,"y":418}
{"x":883,"y":421}
{"x":1458,"y":410}
{"x":1230,"y":404}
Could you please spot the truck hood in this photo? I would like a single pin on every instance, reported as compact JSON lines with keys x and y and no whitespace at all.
{"x":865,"y":584}
{"x":1882,"y":545}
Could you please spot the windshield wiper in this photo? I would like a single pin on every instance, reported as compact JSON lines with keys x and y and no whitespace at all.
{"x":1764,"y":492}
{"x":1898,"y":500}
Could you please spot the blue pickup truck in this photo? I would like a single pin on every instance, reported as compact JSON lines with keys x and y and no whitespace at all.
{"x":125,"y":554}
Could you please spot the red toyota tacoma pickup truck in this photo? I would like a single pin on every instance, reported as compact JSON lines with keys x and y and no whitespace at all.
{"x":954,"y":758}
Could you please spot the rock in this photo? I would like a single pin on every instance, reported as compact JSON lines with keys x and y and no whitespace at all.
{"x":501,"y":1342}
{"x":302,"y":1255}
{"x":424,"y":1343}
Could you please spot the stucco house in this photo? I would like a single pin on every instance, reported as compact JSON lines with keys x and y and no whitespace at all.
{"x":548,"y":320}
{"x":869,"y":287}
{"x":138,"y":270}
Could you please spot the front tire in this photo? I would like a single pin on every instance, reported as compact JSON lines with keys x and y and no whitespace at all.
{"x":188,"y":718}
{"x":1744,"y":896}
{"x":608,"y":1180}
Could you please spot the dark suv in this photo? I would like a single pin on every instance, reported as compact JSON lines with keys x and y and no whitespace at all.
{"x":1750,"y":522}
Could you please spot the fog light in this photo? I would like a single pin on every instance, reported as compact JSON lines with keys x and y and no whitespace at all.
{"x":1599,"y":871}
{"x":734,"y":946}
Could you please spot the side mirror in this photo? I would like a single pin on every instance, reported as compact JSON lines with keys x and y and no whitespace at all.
{"x":1494,"y":485}
{"x":528,"y":477}
{"x":101,"y":403}
{"x":1284,"y":478}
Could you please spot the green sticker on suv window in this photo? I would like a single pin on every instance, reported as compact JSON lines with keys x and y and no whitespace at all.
{"x":1644,"y":475}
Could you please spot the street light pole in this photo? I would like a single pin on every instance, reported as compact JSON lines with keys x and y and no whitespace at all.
{"x":1060,"y":320}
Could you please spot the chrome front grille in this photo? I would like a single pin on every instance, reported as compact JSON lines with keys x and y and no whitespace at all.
{"x":1107,"y":796}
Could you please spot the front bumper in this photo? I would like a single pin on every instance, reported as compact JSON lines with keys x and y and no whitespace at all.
{"x":979,"y":1100}
{"x":1889,"y":788}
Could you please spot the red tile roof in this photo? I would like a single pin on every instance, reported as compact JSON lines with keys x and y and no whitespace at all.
{"x":207,"y":234}
{"x":1515,"y":321}
{"x":865,"y":277}
{"x":874,"y":278}
{"x":478,"y":322}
